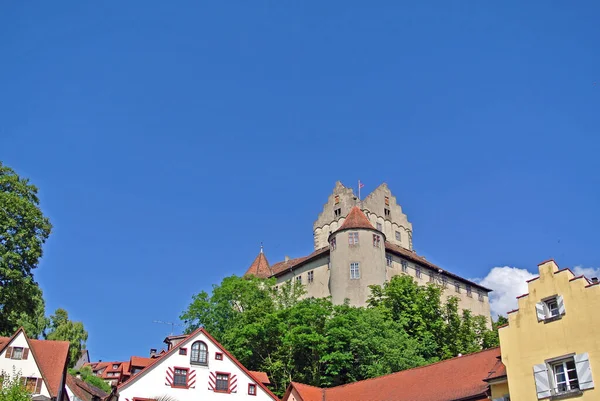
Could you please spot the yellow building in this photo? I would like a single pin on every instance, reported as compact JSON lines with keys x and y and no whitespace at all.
{"x":551,"y":345}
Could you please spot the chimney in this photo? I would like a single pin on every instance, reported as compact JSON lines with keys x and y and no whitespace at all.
{"x":594,"y":280}
{"x":152,"y":352}
{"x":287,"y":258}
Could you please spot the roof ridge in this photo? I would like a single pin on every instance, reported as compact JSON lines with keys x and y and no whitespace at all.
{"x":412,"y":369}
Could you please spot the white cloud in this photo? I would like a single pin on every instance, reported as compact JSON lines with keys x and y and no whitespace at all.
{"x":507,"y":284}
{"x":589,"y":272}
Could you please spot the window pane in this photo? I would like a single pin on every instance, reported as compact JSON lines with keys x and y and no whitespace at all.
{"x":222,"y":382}
{"x":180,"y":377}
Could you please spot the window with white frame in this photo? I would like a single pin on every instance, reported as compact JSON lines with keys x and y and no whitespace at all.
{"x":563,"y":376}
{"x":311,"y":276}
{"x":299,"y":279}
{"x":353,"y":238}
{"x":354,"y":271}
{"x":376,"y":240}
{"x":551,"y":308}
{"x":17,"y":353}
{"x":199,"y":353}
{"x":388,"y":259}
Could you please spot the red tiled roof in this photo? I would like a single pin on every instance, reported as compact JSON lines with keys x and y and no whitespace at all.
{"x":51,"y":357}
{"x":139,"y":361}
{"x":411,"y":255}
{"x":453,"y":379}
{"x":83,"y":390}
{"x":497,"y":372}
{"x":260,"y":377}
{"x":260,"y":266}
{"x":281,"y":267}
{"x":356,"y":219}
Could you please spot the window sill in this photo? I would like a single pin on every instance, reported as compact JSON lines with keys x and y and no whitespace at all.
{"x":199,"y":364}
{"x":566,"y":394}
{"x":223,"y":391}
{"x":552,"y":319}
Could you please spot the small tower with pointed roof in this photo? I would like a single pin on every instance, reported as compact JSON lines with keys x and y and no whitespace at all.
{"x":260,"y":267}
{"x":357,"y":254}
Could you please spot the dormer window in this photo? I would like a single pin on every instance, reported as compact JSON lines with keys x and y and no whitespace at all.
{"x":17,"y":353}
{"x":550,"y":308}
{"x":115,"y":366}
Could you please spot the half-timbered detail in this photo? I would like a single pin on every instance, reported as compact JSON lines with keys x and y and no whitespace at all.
{"x":177,"y":374}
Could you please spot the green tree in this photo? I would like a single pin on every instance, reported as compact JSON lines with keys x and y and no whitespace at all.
{"x":61,"y":328}
{"x":12,"y":389}
{"x":86,"y":374}
{"x":23,"y":231}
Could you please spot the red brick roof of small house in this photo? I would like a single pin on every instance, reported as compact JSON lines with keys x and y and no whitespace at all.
{"x":356,"y":219}
{"x":82,"y":390}
{"x":50,"y":356}
{"x":261,"y":377}
{"x":453,"y":379}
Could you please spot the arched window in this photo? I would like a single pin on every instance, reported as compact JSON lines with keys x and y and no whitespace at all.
{"x":199,"y":354}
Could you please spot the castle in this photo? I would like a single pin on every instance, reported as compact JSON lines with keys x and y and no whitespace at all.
{"x":358,"y":243}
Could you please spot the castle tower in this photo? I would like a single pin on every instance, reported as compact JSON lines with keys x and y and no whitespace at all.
{"x":260,"y":267}
{"x":357,"y":255}
{"x":380,"y":207}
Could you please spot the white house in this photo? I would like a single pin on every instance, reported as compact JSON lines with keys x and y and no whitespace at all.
{"x":41,"y":364}
{"x":197,"y":368}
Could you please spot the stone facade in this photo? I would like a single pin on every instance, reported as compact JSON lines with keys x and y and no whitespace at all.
{"x":344,"y":270}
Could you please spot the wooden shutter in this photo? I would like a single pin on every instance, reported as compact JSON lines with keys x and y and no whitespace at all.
{"x":561,"y":305}
{"x":25,"y":353}
{"x":542,"y":383}
{"x":584,"y":371}
{"x":8,"y":352}
{"x":540,"y":311}
{"x":38,"y":386}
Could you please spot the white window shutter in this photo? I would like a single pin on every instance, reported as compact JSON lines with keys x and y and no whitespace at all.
{"x":584,"y":371}
{"x":561,"y":305}
{"x":542,"y":383}
{"x":541,"y":311}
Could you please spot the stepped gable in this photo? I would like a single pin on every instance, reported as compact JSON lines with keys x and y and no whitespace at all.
{"x":356,"y":219}
{"x":453,"y":379}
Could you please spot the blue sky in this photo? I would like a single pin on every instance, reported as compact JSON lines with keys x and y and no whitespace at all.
{"x":169,"y":140}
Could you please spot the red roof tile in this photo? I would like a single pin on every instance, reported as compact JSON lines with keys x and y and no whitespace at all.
{"x":356,"y":219}
{"x":453,"y":379}
{"x":83,"y":390}
{"x":139,"y":361}
{"x":260,"y":377}
{"x":260,"y":266}
{"x":306,"y":392}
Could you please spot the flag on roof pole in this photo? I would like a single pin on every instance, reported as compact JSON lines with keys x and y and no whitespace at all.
{"x":360,"y":185}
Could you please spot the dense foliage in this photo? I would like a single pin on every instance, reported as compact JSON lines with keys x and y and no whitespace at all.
{"x":315,"y":342}
{"x":61,"y":328}
{"x":11,"y":389}
{"x":86,"y":374}
{"x":23,"y":231}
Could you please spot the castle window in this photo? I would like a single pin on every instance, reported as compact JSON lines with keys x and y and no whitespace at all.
{"x":387,"y":212}
{"x":431,"y":277}
{"x":354,"y":271}
{"x":480,"y":296}
{"x":180,"y":378}
{"x":379,"y":227}
{"x":251,"y":389}
{"x":333,"y":244}
{"x":353,"y":238}
{"x":398,"y":236}
{"x":182,"y":351}
{"x":299,"y":279}
{"x":376,"y":240}
{"x":457,"y":287}
{"x":550,"y":309}
{"x":199,"y":353}
{"x":469,"y":291}
{"x":404,"y":264}
{"x":444,"y":282}
{"x":337,"y":212}
{"x":388,"y":260}
{"x":417,"y":272}
{"x":563,"y":376}
{"x":219,"y":356}
{"x":311,"y":276}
